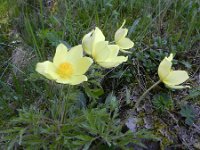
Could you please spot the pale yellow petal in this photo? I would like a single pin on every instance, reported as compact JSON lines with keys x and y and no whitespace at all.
{"x":101,"y":51}
{"x":78,"y":79}
{"x":178,"y":86}
{"x":170,"y":58}
{"x":114,"y":50}
{"x":176,"y":77}
{"x":74,"y":80}
{"x":125,"y":51}
{"x":89,"y":40}
{"x":120,"y":34}
{"x":98,"y":35}
{"x":74,"y":54}
{"x":63,"y":80}
{"x":125,"y":43}
{"x":82,"y":65}
{"x":87,"y":43}
{"x":60,"y":55}
{"x":114,"y":62}
{"x":164,"y":68}
{"x":47,"y":69}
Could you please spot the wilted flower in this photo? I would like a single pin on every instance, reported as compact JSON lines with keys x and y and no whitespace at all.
{"x":170,"y":77}
{"x":67,"y":67}
{"x":104,"y":54}
{"x":121,"y":40}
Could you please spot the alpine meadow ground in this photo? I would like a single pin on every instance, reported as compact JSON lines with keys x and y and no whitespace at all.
{"x":122,"y":94}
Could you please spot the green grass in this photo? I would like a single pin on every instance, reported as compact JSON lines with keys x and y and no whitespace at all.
{"x":32,"y":107}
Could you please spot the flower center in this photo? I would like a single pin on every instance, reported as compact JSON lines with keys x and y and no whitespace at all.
{"x":65,"y":70}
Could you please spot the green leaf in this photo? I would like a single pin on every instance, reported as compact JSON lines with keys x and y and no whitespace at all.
{"x":187,"y":64}
{"x":128,"y":96}
{"x":84,"y":137}
{"x":111,"y":101}
{"x":188,"y":113}
{"x":193,"y":93}
{"x":93,"y":93}
{"x":81,"y":100}
{"x":162,"y":102}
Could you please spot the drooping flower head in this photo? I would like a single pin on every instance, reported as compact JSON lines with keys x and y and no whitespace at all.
{"x":170,"y":77}
{"x":104,"y":54}
{"x":121,"y":40}
{"x":68,"y":66}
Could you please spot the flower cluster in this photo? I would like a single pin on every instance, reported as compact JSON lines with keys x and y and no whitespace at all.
{"x":69,"y":66}
{"x":105,"y":54}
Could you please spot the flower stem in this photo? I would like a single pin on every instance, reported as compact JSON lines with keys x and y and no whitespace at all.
{"x":145,"y":93}
{"x":63,"y":114}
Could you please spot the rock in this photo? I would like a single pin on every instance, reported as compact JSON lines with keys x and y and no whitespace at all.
{"x":19,"y":60}
{"x":148,"y":121}
{"x":132,"y":124}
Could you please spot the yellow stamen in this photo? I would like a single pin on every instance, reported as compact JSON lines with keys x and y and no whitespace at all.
{"x":65,"y":70}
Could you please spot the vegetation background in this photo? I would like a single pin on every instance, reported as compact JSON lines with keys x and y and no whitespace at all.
{"x":98,"y":113}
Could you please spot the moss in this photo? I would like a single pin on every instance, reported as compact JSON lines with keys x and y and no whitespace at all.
{"x":161,"y":130}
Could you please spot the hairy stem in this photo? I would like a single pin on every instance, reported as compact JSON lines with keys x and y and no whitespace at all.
{"x":145,"y":93}
{"x":63,"y":113}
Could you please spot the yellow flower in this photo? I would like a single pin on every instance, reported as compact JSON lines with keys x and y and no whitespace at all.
{"x":67,"y":67}
{"x":170,"y":77}
{"x":91,"y":39}
{"x":104,"y":54}
{"x":121,"y":40}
